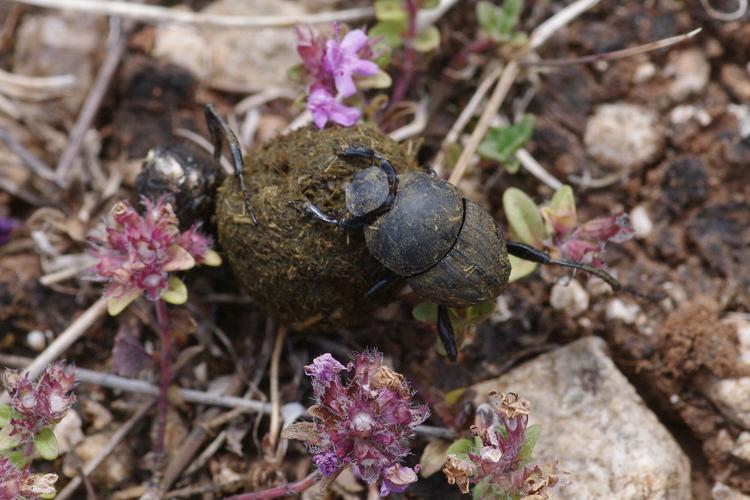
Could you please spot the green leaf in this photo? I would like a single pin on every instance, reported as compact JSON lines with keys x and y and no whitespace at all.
{"x":501,"y":143}
{"x":479,"y":313}
{"x":391,"y":31}
{"x":176,"y":293}
{"x":390,"y":10}
{"x":6,"y":414}
{"x":18,"y":458}
{"x":8,"y":442}
{"x":45,"y":444}
{"x":560,"y":216}
{"x":527,"y":449}
{"x":426,"y":312}
{"x":426,"y":40}
{"x":429,"y":4}
{"x":461,"y":448}
{"x":524,"y":217}
{"x":381,"y":80}
{"x":481,"y":490}
{"x":520,"y":268}
{"x":296,"y":73}
{"x":499,"y":21}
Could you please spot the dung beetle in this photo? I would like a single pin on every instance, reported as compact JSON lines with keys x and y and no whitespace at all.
{"x":419,"y":227}
{"x":447,"y":248}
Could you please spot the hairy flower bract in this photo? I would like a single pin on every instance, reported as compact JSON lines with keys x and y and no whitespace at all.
{"x":365,"y":422}
{"x":137,"y":252}
{"x":496,"y":463}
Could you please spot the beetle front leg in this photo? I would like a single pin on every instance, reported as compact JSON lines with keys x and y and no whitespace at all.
{"x":446,"y":334}
{"x":219,"y":130}
{"x":350,"y":223}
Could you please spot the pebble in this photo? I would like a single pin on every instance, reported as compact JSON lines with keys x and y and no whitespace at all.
{"x":569,"y":297}
{"x":36,"y":340}
{"x":690,"y":71}
{"x":624,"y":136}
{"x":641,"y":221}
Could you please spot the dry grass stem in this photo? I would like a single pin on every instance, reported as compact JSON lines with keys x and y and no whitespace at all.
{"x":156,"y":14}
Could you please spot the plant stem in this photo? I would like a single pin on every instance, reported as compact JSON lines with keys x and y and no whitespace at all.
{"x":280,"y":491}
{"x":165,"y":363}
{"x":407,"y":70}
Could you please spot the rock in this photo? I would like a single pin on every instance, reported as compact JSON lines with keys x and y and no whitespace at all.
{"x":235,"y":60}
{"x":624,"y":136}
{"x":596,"y":426}
{"x":641,"y":221}
{"x":690,"y":72}
{"x":569,"y":297}
{"x":732,"y":396}
{"x":741,"y":447}
{"x":737,"y":81}
{"x":623,"y":311}
{"x":721,"y":491}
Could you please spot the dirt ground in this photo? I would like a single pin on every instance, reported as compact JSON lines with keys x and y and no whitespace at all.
{"x":694,"y":188}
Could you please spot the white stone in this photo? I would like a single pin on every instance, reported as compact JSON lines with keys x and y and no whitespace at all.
{"x":732,"y":396}
{"x":596,"y":426}
{"x":36,"y":340}
{"x":624,"y":136}
{"x":742,"y":113}
{"x":641,"y":222}
{"x":741,"y":448}
{"x":627,"y":312}
{"x":569,"y":297}
{"x":721,"y":491}
{"x":644,"y":72}
{"x":690,"y":72}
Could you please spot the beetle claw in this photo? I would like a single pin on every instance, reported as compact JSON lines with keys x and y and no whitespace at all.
{"x":445,"y":331}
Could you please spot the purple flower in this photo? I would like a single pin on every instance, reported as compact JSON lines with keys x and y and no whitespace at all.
{"x":39,"y":405}
{"x":324,"y":108}
{"x":342,"y":61}
{"x":499,"y":463}
{"x":7,"y":226}
{"x":15,"y":483}
{"x":587,"y":241}
{"x":138,"y":252}
{"x":365,"y":422}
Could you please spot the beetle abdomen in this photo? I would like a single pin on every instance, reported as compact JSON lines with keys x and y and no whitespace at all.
{"x":420,"y":228}
{"x":475,"y":270}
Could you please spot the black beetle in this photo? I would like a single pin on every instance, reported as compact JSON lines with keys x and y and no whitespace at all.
{"x":419,"y":227}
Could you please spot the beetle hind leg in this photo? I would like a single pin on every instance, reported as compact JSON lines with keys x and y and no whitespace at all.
{"x":219,"y":130}
{"x":446,"y":334}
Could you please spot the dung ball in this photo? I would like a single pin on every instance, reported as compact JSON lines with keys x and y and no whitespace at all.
{"x":300,"y":270}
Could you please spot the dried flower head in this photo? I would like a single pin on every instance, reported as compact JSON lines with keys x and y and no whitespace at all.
{"x":496,"y":463}
{"x":331,"y":65}
{"x":21,"y":484}
{"x":365,"y":422}
{"x":581,"y":243}
{"x":137,"y":252}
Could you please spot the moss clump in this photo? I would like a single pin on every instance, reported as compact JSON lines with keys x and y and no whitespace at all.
{"x":301,"y":270}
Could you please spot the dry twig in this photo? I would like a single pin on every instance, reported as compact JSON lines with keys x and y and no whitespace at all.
{"x":156,"y":14}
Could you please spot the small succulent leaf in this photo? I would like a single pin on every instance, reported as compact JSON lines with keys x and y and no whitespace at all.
{"x":499,"y":21}
{"x":176,"y":292}
{"x":426,"y":312}
{"x":426,"y":40}
{"x":452,"y":397}
{"x":479,"y":313}
{"x":560,"y":216}
{"x":520,"y":268}
{"x":511,"y":13}
{"x":527,"y":449}
{"x":180,"y":259}
{"x":382,"y":50}
{"x":381,"y":80}
{"x":6,"y":414}
{"x":512,"y":166}
{"x":391,"y":31}
{"x":17,"y":458}
{"x":461,"y":448}
{"x":211,"y":258}
{"x":296,"y":73}
{"x":481,"y":490}
{"x":115,"y":305}
{"x":501,"y":143}
{"x":8,"y":441}
{"x":524,"y":217}
{"x":430,"y":4}
{"x":433,"y":457}
{"x":45,"y":443}
{"x":487,"y":16}
{"x":390,"y":10}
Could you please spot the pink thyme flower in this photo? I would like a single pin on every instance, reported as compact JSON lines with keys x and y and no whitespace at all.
{"x":331,"y":65}
{"x":588,"y":240}
{"x":324,"y":108}
{"x":139,"y":251}
{"x":39,"y":405}
{"x":499,"y":465}
{"x":365,"y":423}
{"x":343,"y":62}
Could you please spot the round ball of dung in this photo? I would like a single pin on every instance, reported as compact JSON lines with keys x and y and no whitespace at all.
{"x":301,"y":270}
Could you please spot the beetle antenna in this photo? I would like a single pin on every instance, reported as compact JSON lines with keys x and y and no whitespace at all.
{"x":219,"y":129}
